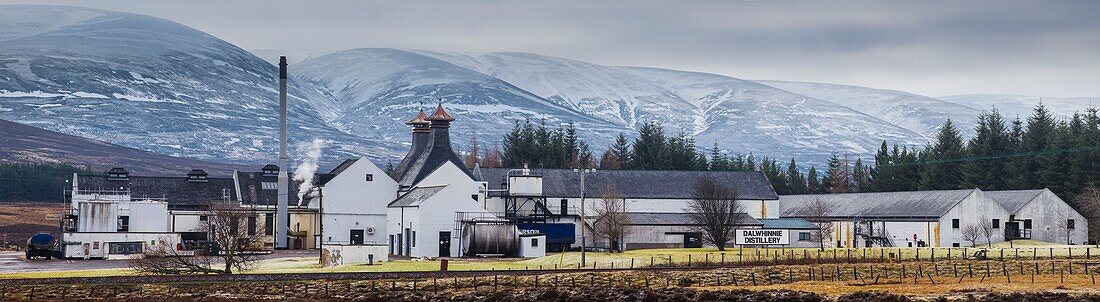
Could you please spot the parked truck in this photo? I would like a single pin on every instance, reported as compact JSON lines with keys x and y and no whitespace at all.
{"x":41,"y":245}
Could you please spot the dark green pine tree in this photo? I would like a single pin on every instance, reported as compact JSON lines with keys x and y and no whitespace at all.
{"x":836,"y":178}
{"x":883,"y":173}
{"x":1035,"y":141}
{"x":943,"y":161}
{"x":775,"y":175}
{"x":649,"y":153}
{"x":988,"y":153}
{"x":796,"y":179}
{"x":622,"y":152}
{"x":718,"y":161}
{"x":1054,"y":166}
{"x":861,"y":179}
{"x":908,"y":169}
{"x":750,"y":163}
{"x":1016,"y":164}
{"x":813,"y":183}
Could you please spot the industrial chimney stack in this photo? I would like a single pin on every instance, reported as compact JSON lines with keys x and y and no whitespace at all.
{"x":282,"y":219}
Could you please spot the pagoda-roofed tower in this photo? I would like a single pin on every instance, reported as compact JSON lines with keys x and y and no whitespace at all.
{"x":420,"y":136}
{"x":437,"y":151}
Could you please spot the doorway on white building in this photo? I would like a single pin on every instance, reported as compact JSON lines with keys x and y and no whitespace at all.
{"x":693,"y":240}
{"x":356,"y":237}
{"x":444,"y":244}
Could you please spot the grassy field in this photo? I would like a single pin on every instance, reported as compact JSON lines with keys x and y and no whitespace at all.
{"x":638,"y":258}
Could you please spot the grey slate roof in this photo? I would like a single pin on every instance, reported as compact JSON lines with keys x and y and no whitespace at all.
{"x":415,"y":196}
{"x":786,"y":223}
{"x":911,"y":205}
{"x":638,"y":184}
{"x":252,"y":190}
{"x":178,"y":191}
{"x":1013,"y":200}
{"x":647,"y":218}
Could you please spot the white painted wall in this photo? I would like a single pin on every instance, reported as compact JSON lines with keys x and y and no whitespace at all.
{"x":147,"y":216}
{"x":352,"y":254}
{"x":353,"y":203}
{"x":95,"y":245}
{"x":437,"y":214}
{"x":1049,"y":214}
{"x":969,"y":211}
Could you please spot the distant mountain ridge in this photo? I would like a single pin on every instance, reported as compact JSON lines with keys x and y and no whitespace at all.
{"x":157,"y":85}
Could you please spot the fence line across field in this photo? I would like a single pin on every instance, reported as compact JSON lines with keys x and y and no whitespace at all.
{"x":1024,"y":271}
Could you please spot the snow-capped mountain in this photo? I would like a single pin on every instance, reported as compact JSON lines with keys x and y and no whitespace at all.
{"x":152,"y":84}
{"x":747,"y":116}
{"x":604,"y":92}
{"x":917,"y":113}
{"x":157,"y":85}
{"x":377,"y":90}
{"x":1012,"y":106}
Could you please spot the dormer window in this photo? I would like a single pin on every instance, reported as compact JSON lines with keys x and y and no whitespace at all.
{"x":271,"y":170}
{"x":118,"y":174}
{"x":197,"y":175}
{"x":269,"y":185}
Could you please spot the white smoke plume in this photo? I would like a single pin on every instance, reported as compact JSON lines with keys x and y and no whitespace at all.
{"x":305,"y":170}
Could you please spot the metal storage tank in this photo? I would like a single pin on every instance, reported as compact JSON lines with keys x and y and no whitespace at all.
{"x":97,"y":216}
{"x":489,"y":237}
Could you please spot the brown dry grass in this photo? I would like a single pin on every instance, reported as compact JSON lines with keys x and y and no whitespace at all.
{"x":18,"y":221}
{"x":945,"y":286}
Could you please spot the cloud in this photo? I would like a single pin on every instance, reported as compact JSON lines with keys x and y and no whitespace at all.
{"x":927,"y":47}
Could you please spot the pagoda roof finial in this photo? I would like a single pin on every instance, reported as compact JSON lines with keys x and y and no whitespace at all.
{"x":440,"y":114}
{"x":420,"y":119}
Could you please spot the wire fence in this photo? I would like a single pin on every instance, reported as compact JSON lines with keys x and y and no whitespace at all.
{"x":864,"y":274}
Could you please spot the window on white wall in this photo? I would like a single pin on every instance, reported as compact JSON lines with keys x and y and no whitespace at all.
{"x":267,"y":185}
{"x":996,"y":223}
{"x":370,"y":177}
{"x":954,"y":223}
{"x":1070,"y":224}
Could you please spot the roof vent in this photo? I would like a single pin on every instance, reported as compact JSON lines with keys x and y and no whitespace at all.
{"x":197,"y":175}
{"x":118,"y":173}
{"x":270,"y":170}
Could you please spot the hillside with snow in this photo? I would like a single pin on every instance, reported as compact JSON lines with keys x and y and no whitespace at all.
{"x":152,"y":84}
{"x":156,"y":85}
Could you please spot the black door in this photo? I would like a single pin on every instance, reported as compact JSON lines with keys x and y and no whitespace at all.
{"x":693,"y":240}
{"x":1012,"y":230}
{"x":444,"y":244}
{"x":356,"y":236}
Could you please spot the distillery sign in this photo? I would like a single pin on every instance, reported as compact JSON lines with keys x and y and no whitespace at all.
{"x":763,"y":237}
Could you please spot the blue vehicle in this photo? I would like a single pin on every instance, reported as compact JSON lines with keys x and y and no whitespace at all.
{"x":41,"y":245}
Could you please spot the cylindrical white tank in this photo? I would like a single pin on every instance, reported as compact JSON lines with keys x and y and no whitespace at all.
{"x":97,"y":216}
{"x":489,"y":238}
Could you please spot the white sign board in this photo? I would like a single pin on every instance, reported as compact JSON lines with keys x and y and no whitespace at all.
{"x":763,"y":237}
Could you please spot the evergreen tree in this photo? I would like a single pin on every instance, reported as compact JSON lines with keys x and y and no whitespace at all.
{"x":622,"y":152}
{"x":835,"y":179}
{"x":718,"y":161}
{"x":1036,"y":140}
{"x":775,"y":175}
{"x":796,"y":179}
{"x":813,"y":184}
{"x":987,"y":153}
{"x":649,"y":153}
{"x":884,"y":172}
{"x":943,"y":169}
{"x":861,"y":180}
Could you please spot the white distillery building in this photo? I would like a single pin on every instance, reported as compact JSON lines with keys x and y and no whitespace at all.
{"x":904,"y":219}
{"x":668,"y":230}
{"x":1041,"y":215}
{"x":935,"y":218}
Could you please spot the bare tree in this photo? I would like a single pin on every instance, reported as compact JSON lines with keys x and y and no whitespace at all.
{"x":612,"y":222}
{"x":234,"y":235}
{"x":817,"y":212}
{"x":715,"y":211}
{"x":985,"y":228}
{"x":971,"y":233}
{"x":1088,"y":204}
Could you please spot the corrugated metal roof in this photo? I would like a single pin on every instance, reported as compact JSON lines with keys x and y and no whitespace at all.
{"x":786,"y":223}
{"x":639,"y":184}
{"x":900,"y":205}
{"x":416,"y":196}
{"x":647,"y":218}
{"x":1013,"y":200}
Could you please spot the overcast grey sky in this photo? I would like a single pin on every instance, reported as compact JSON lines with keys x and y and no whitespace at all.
{"x":1045,"y":48}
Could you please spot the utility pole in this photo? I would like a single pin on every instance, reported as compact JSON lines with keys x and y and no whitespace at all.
{"x":584,"y":223}
{"x":321,"y":225}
